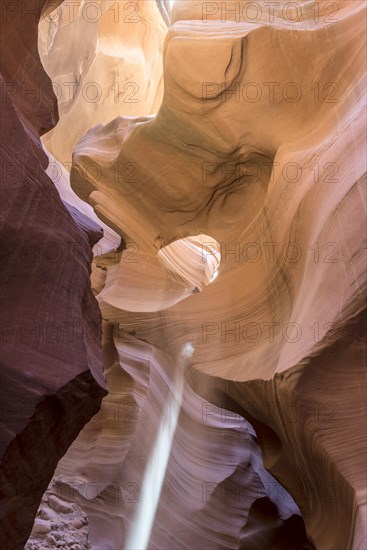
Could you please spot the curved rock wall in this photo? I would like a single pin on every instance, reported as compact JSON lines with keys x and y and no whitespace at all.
{"x":236,"y":397}
{"x":259,"y":144}
{"x":213,"y":477}
{"x":104,"y":59}
{"x":51,"y":362}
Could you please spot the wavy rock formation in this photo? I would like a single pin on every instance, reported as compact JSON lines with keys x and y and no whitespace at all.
{"x":258,"y":144}
{"x":104,"y":59}
{"x":51,"y":362}
{"x":214,"y":473}
{"x":230,"y":277}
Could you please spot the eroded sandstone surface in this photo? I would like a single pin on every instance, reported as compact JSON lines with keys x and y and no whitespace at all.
{"x":59,"y":524}
{"x":231,"y":274}
{"x":51,"y":362}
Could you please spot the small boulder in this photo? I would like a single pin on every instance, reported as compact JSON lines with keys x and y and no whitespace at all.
{"x":77,"y":523}
{"x":51,"y":540}
{"x":59,"y":505}
{"x":47,"y":513}
{"x":41,"y":527}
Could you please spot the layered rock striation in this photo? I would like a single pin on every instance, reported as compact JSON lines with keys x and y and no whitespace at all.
{"x":258,"y":144}
{"x":230,"y":278}
{"x":51,"y":362}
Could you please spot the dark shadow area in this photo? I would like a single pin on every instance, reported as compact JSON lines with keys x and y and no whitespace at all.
{"x":276,"y":534}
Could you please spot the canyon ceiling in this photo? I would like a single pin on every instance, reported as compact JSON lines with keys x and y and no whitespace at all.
{"x":183,"y":282}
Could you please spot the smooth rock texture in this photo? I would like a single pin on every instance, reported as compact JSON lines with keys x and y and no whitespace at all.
{"x":213,"y":476}
{"x":24,"y":80}
{"x":230,"y":277}
{"x":104,"y":58}
{"x":259,"y":144}
{"x":51,"y":363}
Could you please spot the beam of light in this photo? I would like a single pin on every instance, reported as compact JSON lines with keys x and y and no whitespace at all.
{"x":140,"y":530}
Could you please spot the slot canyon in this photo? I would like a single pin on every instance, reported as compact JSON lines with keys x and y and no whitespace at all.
{"x":183,"y":275}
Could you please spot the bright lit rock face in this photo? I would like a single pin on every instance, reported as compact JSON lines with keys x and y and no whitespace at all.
{"x":104,"y":59}
{"x":232,"y":310}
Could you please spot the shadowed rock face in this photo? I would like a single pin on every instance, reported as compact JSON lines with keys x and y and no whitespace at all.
{"x":245,"y":382}
{"x":265,"y":530}
{"x":24,"y":78}
{"x":51,"y":364}
{"x":268,"y":333}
